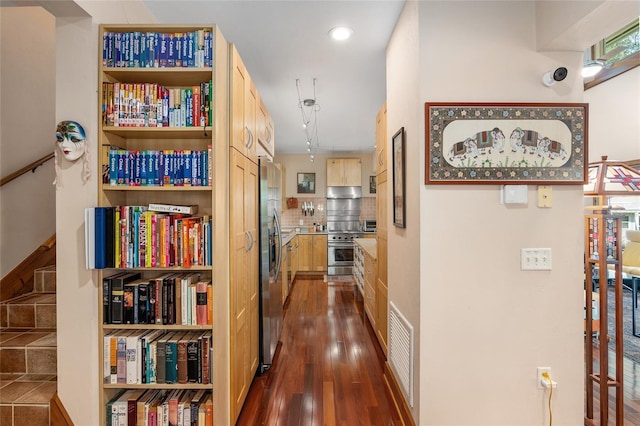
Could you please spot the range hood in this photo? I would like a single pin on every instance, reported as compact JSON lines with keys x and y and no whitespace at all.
{"x":338,"y":192}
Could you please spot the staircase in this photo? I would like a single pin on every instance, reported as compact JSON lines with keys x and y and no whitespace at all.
{"x":28,"y":353}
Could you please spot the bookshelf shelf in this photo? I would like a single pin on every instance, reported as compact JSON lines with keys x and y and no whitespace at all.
{"x":172,"y":188}
{"x":155,"y":327}
{"x":157,"y":386}
{"x":167,"y":76}
{"x":194,"y":132}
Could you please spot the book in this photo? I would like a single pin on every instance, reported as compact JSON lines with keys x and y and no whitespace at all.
{"x":161,"y":365}
{"x":106,"y":297}
{"x":100,"y":237}
{"x":205,"y":354}
{"x":202,"y":304}
{"x":117,"y":295}
{"x":183,"y":372}
{"x":171,"y":358}
{"x":132,"y":406}
{"x":171,"y":208}
{"x":192,"y":359}
{"x":89,"y":238}
{"x":132,"y":356}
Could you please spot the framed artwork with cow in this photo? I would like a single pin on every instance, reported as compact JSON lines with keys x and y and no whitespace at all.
{"x":506,"y":143}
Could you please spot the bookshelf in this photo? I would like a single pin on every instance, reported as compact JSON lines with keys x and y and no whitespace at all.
{"x":603,"y":255}
{"x":140,"y":133}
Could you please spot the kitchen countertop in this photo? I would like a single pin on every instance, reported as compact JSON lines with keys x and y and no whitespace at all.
{"x":289,"y":233}
{"x":369,"y":245}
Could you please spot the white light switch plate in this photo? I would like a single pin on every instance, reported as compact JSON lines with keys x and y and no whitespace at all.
{"x":535,"y":259}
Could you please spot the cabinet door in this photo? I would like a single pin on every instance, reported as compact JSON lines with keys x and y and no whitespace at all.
{"x":251,"y":225}
{"x":382,"y":302}
{"x":352,"y":172}
{"x":381,"y":139}
{"x":305,"y":253}
{"x":250,"y":119}
{"x":381,"y":204}
{"x":239,"y":291}
{"x":320,"y":253}
{"x":294,"y":258}
{"x":286,"y":268}
{"x":335,"y":172}
{"x":239,"y":137}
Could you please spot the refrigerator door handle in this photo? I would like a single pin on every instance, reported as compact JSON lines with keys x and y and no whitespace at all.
{"x":279,"y":231}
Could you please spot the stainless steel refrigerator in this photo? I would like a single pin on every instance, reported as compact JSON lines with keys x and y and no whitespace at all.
{"x":271,"y":313}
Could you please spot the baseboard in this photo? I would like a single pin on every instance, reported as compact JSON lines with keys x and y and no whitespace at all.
{"x":397,"y":396}
{"x":57,"y":413}
{"x":20,"y":280}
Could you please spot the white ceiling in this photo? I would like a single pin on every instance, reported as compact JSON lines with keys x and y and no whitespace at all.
{"x":281,"y":41}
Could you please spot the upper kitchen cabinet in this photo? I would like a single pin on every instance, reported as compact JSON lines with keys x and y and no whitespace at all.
{"x":266,"y":145}
{"x":381,"y":139}
{"x":344,"y":172}
{"x":244,"y":100}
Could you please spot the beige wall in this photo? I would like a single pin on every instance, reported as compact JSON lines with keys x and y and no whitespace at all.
{"x":484,"y":325}
{"x":76,"y":85}
{"x":614,"y":107}
{"x":27,"y":131}
{"x":295,"y":164}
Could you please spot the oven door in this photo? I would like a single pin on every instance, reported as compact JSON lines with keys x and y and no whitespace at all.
{"x":340,"y":254}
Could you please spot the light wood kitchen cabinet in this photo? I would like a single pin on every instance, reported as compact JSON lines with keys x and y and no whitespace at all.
{"x":243,"y":277}
{"x":382,"y":222}
{"x":243,"y":102}
{"x":344,"y":172}
{"x":381,"y":139}
{"x":370,"y":274}
{"x":382,"y":299}
{"x":293,"y":257}
{"x":283,"y":187}
{"x":312,"y":253}
{"x":285,"y":269}
{"x":265,"y":129}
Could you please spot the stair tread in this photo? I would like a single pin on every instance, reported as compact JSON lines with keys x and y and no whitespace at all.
{"x":33,"y":298}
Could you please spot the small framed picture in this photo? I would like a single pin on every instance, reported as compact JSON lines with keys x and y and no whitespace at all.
{"x":397,"y":142}
{"x":372,"y":184}
{"x":306,"y":183}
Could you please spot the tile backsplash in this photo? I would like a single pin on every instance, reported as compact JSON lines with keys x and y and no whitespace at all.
{"x":292,"y":217}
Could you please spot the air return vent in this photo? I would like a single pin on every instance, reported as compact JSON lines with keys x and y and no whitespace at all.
{"x":401,"y":351}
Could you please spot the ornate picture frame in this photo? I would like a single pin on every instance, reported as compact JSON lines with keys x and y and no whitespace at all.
{"x":506,"y":143}
{"x":398,"y":196}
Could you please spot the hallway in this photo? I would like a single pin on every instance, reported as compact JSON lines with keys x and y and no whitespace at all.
{"x":329,"y":369}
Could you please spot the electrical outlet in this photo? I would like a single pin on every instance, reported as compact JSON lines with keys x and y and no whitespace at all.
{"x":539,"y":378}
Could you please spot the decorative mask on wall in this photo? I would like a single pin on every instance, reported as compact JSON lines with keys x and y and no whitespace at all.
{"x":71,"y":141}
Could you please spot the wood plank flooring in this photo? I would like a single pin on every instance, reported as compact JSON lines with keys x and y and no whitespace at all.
{"x":329,"y":368}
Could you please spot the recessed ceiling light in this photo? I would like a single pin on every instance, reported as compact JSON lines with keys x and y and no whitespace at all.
{"x":340,"y":33}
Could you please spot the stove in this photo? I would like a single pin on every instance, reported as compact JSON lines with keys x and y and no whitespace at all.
{"x":340,"y":250}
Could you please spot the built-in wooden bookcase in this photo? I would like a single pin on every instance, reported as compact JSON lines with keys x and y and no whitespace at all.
{"x":136,"y":132}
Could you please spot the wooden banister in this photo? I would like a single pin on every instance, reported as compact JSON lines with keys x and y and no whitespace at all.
{"x":29,"y":167}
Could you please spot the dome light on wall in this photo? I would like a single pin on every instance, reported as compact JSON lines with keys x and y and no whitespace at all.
{"x":591,"y":68}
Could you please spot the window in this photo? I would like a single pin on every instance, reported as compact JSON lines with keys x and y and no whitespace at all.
{"x":619,"y":52}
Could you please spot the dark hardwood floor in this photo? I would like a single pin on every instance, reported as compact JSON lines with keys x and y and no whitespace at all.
{"x":329,"y":368}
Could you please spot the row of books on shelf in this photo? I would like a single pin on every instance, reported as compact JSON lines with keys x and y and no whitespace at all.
{"x":161,"y":407}
{"x":138,"y":237}
{"x":155,"y":105}
{"x":169,"y":167}
{"x":150,"y":49}
{"x":173,"y":298}
{"x":133,"y":357}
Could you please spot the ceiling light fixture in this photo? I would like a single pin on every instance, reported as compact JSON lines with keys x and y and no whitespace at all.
{"x":309,"y":108}
{"x":591,"y":68}
{"x":340,"y":33}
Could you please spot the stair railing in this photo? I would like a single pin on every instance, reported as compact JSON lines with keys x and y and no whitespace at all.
{"x":29,"y":167}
